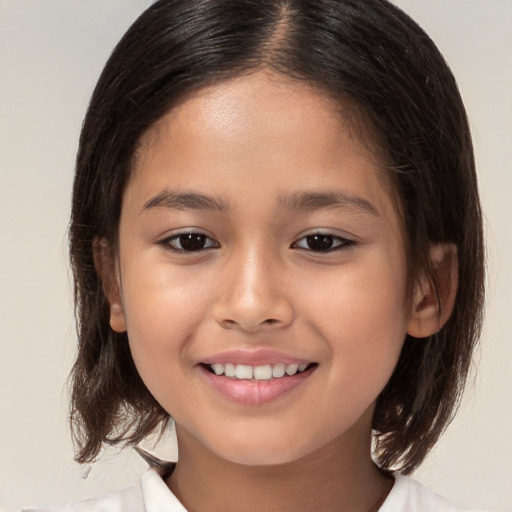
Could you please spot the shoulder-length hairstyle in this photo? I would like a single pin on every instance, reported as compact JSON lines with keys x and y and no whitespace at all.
{"x":365,"y":54}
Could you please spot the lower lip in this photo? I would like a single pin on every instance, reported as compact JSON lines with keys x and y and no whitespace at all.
{"x":251,"y":392}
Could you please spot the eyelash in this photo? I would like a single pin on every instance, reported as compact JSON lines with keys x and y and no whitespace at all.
{"x":341,"y":243}
{"x":192,"y":236}
{"x":337,"y":242}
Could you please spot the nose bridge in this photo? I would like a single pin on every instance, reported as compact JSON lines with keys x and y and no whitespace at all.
{"x":254,"y":293}
{"x":252,"y":270}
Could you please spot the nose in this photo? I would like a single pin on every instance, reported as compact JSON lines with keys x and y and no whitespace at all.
{"x":253,"y":295}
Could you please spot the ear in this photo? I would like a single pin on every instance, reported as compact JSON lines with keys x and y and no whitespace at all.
{"x":433,"y":305}
{"x":107,"y":269}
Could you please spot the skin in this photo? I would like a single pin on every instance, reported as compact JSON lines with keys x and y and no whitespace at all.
{"x":253,"y":144}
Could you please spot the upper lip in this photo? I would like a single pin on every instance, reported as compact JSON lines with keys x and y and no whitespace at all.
{"x":256,"y":357}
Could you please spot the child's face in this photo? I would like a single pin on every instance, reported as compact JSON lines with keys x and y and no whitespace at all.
{"x":296,"y":257}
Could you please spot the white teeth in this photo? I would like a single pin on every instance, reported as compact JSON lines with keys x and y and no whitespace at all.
{"x":291,"y":369}
{"x":264,"y":372}
{"x":278,"y":370}
{"x":243,"y":371}
{"x":229,"y":370}
{"x":218,"y":369}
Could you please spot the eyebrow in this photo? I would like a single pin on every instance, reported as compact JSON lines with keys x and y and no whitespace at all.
{"x":185,"y":200}
{"x":298,"y":201}
{"x":328,"y":200}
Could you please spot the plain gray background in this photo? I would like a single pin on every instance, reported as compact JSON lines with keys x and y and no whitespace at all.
{"x":51,"y":53}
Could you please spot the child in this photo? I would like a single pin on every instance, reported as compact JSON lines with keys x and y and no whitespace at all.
{"x":276,"y":242}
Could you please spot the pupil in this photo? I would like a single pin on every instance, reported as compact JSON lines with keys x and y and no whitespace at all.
{"x":320,"y":242}
{"x":192,"y":241}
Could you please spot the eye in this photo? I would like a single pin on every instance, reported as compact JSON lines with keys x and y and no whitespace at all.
{"x":322,"y":242}
{"x":190,"y":242}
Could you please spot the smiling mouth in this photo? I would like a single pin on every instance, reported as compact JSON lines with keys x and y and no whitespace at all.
{"x":257,"y":373}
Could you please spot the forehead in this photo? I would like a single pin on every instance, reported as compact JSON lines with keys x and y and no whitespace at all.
{"x":263,"y":98}
{"x":263,"y":120}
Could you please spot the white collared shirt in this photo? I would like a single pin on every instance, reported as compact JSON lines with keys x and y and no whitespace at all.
{"x":153,"y":495}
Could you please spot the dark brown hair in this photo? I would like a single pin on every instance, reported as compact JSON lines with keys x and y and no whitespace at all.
{"x":368,"y":52}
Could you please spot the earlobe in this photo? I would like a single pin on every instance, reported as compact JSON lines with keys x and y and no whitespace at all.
{"x":106,"y":267}
{"x":434,"y":297}
{"x":117,"y":320}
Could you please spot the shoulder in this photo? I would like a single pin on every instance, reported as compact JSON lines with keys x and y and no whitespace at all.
{"x":408,"y":495}
{"x":129,"y":499}
{"x":151,"y":495}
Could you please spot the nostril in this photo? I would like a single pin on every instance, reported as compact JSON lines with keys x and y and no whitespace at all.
{"x":230,"y":324}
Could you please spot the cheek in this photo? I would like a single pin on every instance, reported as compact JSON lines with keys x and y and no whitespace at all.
{"x":157,"y":295}
{"x":362,"y":318}
{"x":162,"y":311}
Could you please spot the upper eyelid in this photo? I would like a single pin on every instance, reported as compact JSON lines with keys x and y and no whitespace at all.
{"x":328,"y":232}
{"x":166,"y":242}
{"x":345,"y":243}
{"x":336,"y":237}
{"x":185,"y":231}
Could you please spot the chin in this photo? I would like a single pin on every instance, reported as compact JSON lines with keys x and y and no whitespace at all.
{"x":267,"y":451}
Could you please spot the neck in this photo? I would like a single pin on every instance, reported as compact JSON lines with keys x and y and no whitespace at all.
{"x":337,"y":478}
